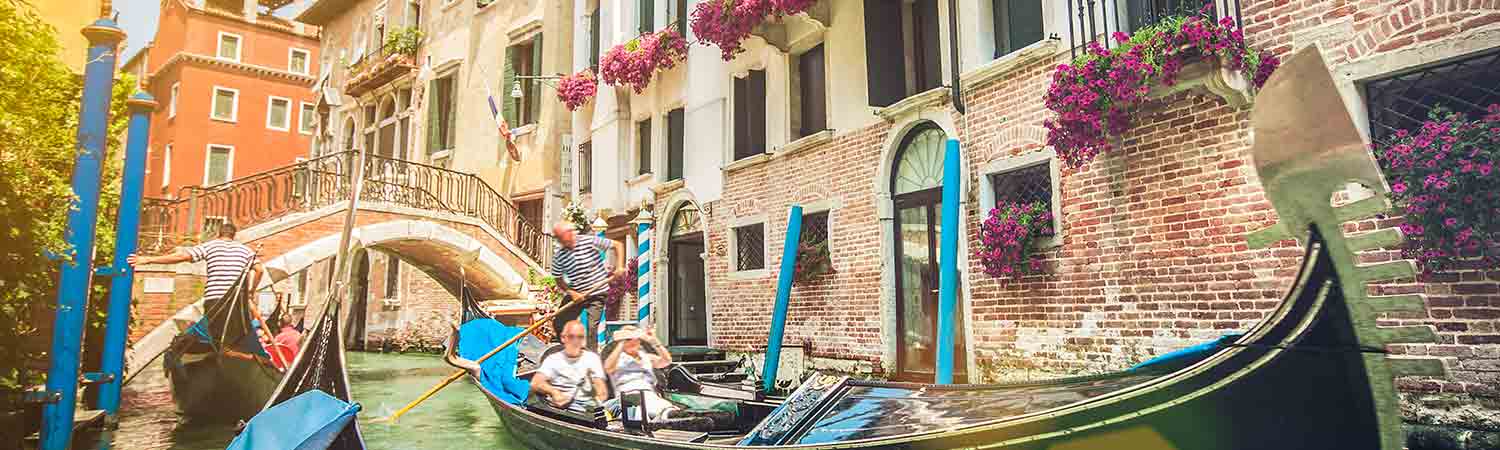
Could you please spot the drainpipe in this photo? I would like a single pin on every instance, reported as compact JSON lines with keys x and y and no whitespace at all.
{"x":955,"y":67}
{"x":77,"y":274}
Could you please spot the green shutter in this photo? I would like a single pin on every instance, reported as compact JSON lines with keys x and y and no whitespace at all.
{"x":432,"y":117}
{"x":508,"y":81}
{"x":534,"y":98}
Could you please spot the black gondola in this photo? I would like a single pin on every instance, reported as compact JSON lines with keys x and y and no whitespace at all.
{"x":1313,"y":374}
{"x":218,"y":369}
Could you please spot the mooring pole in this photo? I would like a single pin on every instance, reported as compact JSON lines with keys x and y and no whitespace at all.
{"x":783,"y":297}
{"x":643,"y":272}
{"x":948,"y":263}
{"x":77,"y":271}
{"x":117,"y":326}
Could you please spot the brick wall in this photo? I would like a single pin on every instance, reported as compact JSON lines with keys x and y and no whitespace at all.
{"x":1153,"y":256}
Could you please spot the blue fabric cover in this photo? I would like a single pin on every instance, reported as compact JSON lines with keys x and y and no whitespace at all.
{"x":309,"y":421}
{"x":1188,"y":355}
{"x":478,"y":337}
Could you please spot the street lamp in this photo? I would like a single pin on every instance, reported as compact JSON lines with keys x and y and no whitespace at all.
{"x":515,"y":87}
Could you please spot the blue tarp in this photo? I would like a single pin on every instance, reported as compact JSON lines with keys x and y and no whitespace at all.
{"x":478,"y":337}
{"x":1188,"y":355}
{"x":309,"y":421}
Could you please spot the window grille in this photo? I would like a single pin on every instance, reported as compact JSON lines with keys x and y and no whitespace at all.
{"x":815,"y":228}
{"x":1024,"y":185}
{"x":1401,"y":102}
{"x":751,"y":248}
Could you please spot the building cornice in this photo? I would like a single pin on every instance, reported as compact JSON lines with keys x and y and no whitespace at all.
{"x":270,"y":23}
{"x":258,"y":71}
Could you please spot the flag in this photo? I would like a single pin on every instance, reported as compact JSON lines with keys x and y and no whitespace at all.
{"x":510,"y":144}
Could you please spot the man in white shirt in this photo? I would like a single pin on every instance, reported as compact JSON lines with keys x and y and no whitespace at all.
{"x":572,"y":378}
{"x":632,"y":369}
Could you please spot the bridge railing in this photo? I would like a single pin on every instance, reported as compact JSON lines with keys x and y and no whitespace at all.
{"x":308,"y":185}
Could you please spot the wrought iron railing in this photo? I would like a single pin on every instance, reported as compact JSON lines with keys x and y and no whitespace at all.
{"x":1096,"y":20}
{"x":325,"y":181}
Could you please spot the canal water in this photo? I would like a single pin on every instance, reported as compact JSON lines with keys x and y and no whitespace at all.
{"x":459,"y":417}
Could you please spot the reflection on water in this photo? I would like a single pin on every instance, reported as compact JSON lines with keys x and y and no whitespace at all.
{"x":457,"y":417}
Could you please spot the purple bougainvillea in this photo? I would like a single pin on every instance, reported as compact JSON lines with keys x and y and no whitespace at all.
{"x":1444,"y":178}
{"x":1006,"y":238}
{"x":576,"y":89}
{"x":635,"y":62}
{"x":726,"y":23}
{"x":1093,"y":97}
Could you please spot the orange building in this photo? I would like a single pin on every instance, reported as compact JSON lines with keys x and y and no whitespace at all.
{"x":235,"y":87}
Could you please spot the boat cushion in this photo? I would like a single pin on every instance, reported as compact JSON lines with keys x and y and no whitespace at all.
{"x":478,"y":337}
{"x":309,"y":421}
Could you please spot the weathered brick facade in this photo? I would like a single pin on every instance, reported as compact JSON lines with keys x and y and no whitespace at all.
{"x":1153,"y":254}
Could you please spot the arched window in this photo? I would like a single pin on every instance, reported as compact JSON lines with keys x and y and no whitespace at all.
{"x":919,"y":162}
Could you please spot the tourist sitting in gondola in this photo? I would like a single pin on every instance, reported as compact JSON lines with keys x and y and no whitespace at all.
{"x":632,"y":370}
{"x":573,"y":378}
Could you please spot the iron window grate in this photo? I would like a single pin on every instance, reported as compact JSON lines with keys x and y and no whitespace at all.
{"x":815,"y":228}
{"x":1028,"y":184}
{"x":1401,"y":102}
{"x":750,"y":241}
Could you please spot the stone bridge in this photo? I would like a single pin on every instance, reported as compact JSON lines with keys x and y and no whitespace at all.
{"x":450,"y":225}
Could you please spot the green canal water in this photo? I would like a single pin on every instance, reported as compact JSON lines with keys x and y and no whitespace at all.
{"x":459,"y":417}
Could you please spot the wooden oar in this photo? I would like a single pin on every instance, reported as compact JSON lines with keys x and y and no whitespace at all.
{"x":460,"y":373}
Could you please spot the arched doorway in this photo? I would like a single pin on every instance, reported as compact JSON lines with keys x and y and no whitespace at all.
{"x":687,"y":310}
{"x":917,"y":191}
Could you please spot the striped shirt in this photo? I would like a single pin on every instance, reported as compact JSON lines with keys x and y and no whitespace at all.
{"x":226,"y":260}
{"x":582,"y":267}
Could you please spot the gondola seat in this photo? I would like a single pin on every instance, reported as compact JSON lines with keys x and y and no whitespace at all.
{"x":683,"y":429}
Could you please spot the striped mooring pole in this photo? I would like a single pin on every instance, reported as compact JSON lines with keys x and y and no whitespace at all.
{"x":643,"y":272}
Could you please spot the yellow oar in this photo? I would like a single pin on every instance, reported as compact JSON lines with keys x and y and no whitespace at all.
{"x":460,"y":373}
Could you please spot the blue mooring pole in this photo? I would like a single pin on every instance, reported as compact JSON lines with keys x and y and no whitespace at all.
{"x":643,"y":273}
{"x":77,"y":271}
{"x":783,"y":297}
{"x":948,"y":263}
{"x":117,"y":325}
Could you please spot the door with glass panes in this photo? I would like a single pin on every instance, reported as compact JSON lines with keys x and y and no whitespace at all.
{"x":917,"y":194}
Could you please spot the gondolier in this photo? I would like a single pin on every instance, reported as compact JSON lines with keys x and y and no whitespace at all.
{"x":579,"y":267}
{"x":226,"y":259}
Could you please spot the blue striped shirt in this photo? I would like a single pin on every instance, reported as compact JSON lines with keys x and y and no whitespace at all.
{"x":582,"y":267}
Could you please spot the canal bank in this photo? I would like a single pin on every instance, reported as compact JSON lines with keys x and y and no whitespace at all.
{"x":457,"y":417}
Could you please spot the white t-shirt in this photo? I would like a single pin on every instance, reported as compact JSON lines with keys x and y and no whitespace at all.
{"x":634,"y":374}
{"x":568,"y":374}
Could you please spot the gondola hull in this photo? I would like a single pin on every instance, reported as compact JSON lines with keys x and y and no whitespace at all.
{"x":211,"y":387}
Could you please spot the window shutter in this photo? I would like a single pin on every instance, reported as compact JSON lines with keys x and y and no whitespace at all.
{"x":643,"y":146}
{"x":741,"y":118}
{"x":929,"y":58}
{"x":674,"y":144}
{"x":680,"y":15}
{"x":594,"y":41}
{"x":886,"y":68}
{"x":450,"y":94}
{"x":757,"y":100}
{"x":814,"y":85}
{"x":507,"y":83}
{"x":1025,"y":25}
{"x":434,"y":106}
{"x":646,"y":16}
{"x":534,"y":98}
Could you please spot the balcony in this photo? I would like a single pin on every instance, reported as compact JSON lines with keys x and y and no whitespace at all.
{"x":377,"y":69}
{"x":1096,"y":20}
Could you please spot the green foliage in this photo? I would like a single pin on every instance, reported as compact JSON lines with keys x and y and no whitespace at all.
{"x":575,"y":214}
{"x":404,"y":40}
{"x":39,"y":107}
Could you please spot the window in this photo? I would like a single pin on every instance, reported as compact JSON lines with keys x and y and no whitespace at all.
{"x":585,"y":167}
{"x":414,"y":14}
{"x":1026,"y":178}
{"x":750,"y":247}
{"x":643,"y":146}
{"x":1401,"y":102}
{"x":913,"y":28}
{"x":166,"y":167}
{"x":308,"y":121}
{"x":750,"y":115}
{"x":226,"y":104}
{"x":299,"y":60}
{"x":279,"y":114}
{"x":1018,"y":23}
{"x":392,"y":277}
{"x":812,"y":89}
{"x":814,"y":228}
{"x":229,"y":47}
{"x":677,"y":12}
{"x":674,"y":144}
{"x":218,"y":167}
{"x":594,"y":41}
{"x":440,"y":115}
{"x":523,"y":60}
{"x":1028,"y":184}
{"x":645,"y":16}
{"x":172,"y":100}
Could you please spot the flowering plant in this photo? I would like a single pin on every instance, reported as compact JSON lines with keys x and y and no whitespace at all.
{"x":619,"y":287}
{"x":1093,"y":96}
{"x":575,"y":215}
{"x":726,"y":23}
{"x":1444,"y":177}
{"x":576,"y":89}
{"x":1006,"y":237}
{"x":636,"y":61}
{"x":812,"y":261}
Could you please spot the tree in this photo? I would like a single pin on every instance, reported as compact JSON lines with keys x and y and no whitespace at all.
{"x":39,"y":104}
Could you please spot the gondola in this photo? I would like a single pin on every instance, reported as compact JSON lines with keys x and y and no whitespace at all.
{"x":1313,"y":374}
{"x":218,"y":370}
